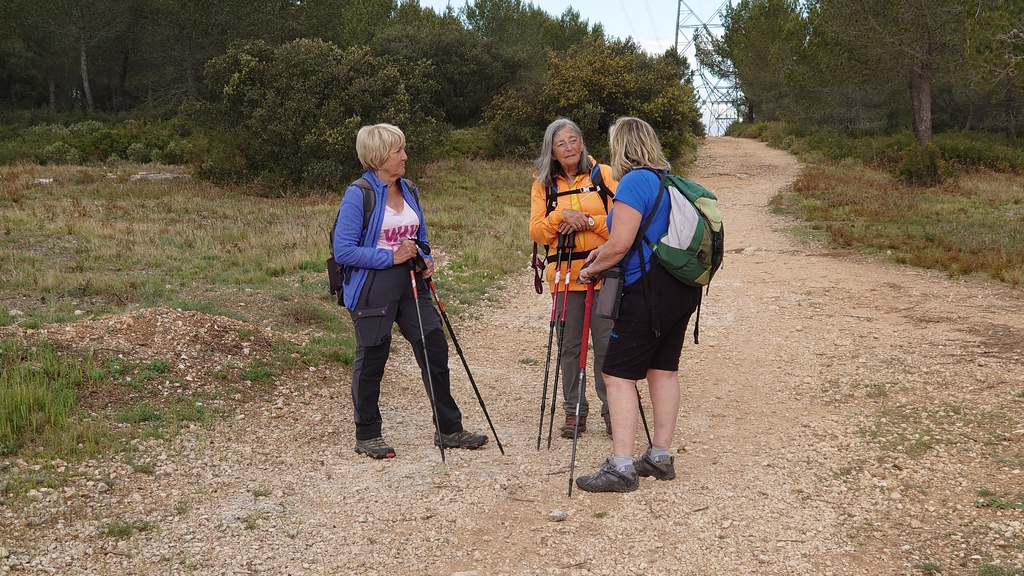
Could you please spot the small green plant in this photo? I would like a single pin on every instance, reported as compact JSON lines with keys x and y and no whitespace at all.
{"x":122,"y":528}
{"x":158,"y":366}
{"x":999,"y":503}
{"x":928,"y":568}
{"x":258,"y":372}
{"x":139,"y":414}
{"x":999,"y":570}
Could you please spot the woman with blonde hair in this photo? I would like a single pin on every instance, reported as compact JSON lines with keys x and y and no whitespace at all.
{"x":375,"y":260}
{"x":636,"y":350}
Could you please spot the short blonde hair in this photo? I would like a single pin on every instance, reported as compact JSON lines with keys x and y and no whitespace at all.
{"x":374,"y":143}
{"x":634,"y":144}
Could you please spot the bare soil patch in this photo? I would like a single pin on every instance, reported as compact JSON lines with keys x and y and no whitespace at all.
{"x":841,"y":415}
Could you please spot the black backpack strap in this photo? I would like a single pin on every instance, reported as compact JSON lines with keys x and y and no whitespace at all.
{"x":653,"y":309}
{"x":606,"y":194}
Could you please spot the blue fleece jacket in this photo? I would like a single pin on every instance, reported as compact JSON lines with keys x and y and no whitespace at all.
{"x":355,"y":250}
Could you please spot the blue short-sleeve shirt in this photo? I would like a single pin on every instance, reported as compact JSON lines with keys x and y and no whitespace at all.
{"x":639,"y":189}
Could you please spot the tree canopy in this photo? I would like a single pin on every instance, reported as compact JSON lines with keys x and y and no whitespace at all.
{"x":876,"y":65}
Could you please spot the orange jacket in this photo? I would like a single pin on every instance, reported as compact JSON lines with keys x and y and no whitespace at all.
{"x":544,"y":226}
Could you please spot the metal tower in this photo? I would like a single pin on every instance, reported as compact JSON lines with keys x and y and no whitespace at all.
{"x":719,"y":97}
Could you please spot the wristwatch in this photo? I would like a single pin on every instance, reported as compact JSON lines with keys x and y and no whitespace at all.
{"x":590,"y":221}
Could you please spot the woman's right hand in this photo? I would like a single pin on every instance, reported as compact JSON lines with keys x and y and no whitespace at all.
{"x":405,"y":252}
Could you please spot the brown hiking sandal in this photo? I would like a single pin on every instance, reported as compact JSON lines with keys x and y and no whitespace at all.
{"x":375,"y":448}
{"x":461,"y":439}
{"x":570,"y":425}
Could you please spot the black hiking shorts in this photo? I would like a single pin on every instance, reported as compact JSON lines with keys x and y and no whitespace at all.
{"x":633,"y":347}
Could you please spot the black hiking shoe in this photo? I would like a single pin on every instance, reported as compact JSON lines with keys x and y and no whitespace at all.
{"x":609,"y":479}
{"x":647,"y":466}
{"x":461,"y":439}
{"x":375,"y":448}
{"x":570,"y":425}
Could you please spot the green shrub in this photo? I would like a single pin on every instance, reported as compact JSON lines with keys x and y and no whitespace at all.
{"x":969,"y":150}
{"x":137,"y":152}
{"x":87,"y":127}
{"x":171,"y":154}
{"x":289,"y":115}
{"x":923,"y":166}
{"x":469,"y":143}
{"x":61,"y":153}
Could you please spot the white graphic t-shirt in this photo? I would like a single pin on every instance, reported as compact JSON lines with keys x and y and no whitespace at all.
{"x":398,"y":225}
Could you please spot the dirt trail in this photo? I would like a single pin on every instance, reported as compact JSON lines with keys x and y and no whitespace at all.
{"x":788,"y":464}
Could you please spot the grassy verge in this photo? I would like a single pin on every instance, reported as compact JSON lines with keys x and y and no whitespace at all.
{"x":974,"y":226}
{"x":81,"y":242}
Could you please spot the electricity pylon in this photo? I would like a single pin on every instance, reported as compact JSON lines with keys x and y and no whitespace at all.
{"x":719,"y":97}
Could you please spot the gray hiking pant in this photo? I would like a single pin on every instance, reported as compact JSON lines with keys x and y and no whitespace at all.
{"x":572,"y":340}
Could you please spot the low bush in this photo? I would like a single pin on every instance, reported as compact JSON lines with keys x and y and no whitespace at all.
{"x":923,"y":166}
{"x":61,"y":153}
{"x":94,"y":141}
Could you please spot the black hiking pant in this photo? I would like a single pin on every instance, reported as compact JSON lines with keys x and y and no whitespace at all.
{"x":387,"y":299}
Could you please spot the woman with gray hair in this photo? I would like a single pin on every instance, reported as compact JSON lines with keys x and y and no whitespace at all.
{"x":375,"y":258}
{"x":638,"y":351}
{"x":568,"y":205}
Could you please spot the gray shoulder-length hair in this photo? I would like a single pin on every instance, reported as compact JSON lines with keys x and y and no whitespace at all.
{"x":546,"y":166}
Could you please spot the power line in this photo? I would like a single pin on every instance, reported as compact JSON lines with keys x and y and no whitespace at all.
{"x":654,"y":27}
{"x":628,"y":21}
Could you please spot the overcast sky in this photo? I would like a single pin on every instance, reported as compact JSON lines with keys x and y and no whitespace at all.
{"x":652,"y":23}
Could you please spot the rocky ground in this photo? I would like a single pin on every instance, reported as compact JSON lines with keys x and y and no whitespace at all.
{"x":841,"y":415}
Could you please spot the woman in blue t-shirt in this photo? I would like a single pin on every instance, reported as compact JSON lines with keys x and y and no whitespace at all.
{"x":639,"y":348}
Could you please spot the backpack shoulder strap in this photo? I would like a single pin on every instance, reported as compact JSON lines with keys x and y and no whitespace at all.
{"x":415,"y":191}
{"x":369,"y":201}
{"x":598,"y":179}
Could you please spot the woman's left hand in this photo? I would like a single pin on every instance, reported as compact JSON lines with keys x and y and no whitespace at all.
{"x":589,"y":272}
{"x":573,"y":221}
{"x":430,"y":268}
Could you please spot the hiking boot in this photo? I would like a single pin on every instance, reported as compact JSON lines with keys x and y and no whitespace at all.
{"x":461,"y":439}
{"x":609,"y":479}
{"x":375,"y":448}
{"x":647,"y":466}
{"x":570,"y":425}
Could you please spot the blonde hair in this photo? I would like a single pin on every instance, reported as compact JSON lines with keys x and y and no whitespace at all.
{"x":374,"y":143}
{"x":634,"y":144}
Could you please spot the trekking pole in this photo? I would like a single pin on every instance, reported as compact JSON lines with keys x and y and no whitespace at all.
{"x":570,"y":243}
{"x":455,"y":341}
{"x":426,"y":360}
{"x":551,"y":331}
{"x":643,"y":416}
{"x":587,"y":307}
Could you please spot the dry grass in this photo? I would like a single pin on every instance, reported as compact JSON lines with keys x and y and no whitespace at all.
{"x":975,"y":226}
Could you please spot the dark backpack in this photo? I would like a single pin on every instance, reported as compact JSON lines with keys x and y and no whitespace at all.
{"x":538,"y":263}
{"x":337,"y":274}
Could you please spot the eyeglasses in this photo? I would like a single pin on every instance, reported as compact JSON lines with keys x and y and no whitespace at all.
{"x":572,"y":141}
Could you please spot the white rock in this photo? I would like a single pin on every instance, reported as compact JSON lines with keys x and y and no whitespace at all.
{"x":556,"y":516}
